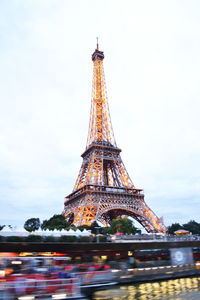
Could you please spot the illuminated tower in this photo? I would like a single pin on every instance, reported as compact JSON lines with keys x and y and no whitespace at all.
{"x":103,"y":190}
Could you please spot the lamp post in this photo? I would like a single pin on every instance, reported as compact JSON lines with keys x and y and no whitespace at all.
{"x":97,"y":233}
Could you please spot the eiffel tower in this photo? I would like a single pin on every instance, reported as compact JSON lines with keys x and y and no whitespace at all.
{"x":103,"y":190}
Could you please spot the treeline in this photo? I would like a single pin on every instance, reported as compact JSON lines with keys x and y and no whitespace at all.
{"x":192,"y":226}
{"x":58,"y":222}
{"x":126,"y":226}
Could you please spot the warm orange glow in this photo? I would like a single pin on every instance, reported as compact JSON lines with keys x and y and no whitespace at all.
{"x":182,"y":232}
{"x":24,"y":254}
{"x":8,"y":254}
{"x":104,"y":190}
{"x":100,"y":127}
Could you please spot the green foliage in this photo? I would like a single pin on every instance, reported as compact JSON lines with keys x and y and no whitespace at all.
{"x":174,"y":227}
{"x":68,"y":239}
{"x":84,"y":239}
{"x":82,"y":227}
{"x":192,"y":226}
{"x":32,"y":224}
{"x":106,"y":230}
{"x":1,"y":238}
{"x":50,"y":239}
{"x":14,"y":239}
{"x":72,"y":226}
{"x":138,"y":231}
{"x":121,"y":225}
{"x":34,"y":238}
{"x":2,"y":227}
{"x":101,"y":238}
{"x":57,"y":222}
{"x":44,"y":225}
{"x":94,"y":229}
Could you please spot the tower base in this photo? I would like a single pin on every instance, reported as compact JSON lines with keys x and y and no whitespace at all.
{"x":104,"y":203}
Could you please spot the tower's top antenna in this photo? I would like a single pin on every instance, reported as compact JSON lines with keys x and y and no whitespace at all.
{"x":97,"y":54}
{"x":97,"y":43}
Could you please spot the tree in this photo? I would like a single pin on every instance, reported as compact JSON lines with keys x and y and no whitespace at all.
{"x":82,"y":227}
{"x":136,"y":230}
{"x":123,"y":225}
{"x":56,"y":222}
{"x":44,"y":225}
{"x":32,"y":224}
{"x":174,"y":227}
{"x":2,"y":227}
{"x":94,"y":226}
{"x":192,"y":226}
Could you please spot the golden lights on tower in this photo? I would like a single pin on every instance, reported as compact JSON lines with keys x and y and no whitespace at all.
{"x":104,"y":190}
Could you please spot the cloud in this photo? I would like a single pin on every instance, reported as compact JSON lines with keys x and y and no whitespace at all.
{"x":152,"y":70}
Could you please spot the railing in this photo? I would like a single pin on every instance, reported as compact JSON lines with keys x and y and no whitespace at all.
{"x":21,"y":287}
{"x":107,"y":189}
{"x":94,"y":277}
{"x":154,"y":237}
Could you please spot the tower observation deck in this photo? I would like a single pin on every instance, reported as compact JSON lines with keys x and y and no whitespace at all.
{"x":103,"y":190}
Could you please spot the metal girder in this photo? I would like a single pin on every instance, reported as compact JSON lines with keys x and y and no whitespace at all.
{"x":103,"y":207}
{"x":103,"y":189}
{"x":103,"y":167}
{"x":100,"y":126}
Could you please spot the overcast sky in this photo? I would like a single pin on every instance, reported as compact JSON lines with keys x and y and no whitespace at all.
{"x":152,"y":71}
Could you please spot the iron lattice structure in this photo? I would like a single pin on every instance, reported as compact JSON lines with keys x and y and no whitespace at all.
{"x":103,"y":190}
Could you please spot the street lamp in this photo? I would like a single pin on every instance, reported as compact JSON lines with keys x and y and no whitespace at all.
{"x":97,"y":233}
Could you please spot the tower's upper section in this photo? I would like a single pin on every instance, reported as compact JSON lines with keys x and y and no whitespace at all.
{"x":100,"y":126}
